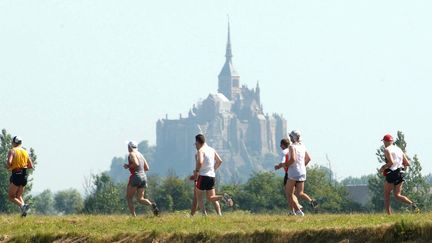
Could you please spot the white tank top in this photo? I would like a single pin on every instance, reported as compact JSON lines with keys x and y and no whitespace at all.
{"x":207,"y":168}
{"x":397,"y":155}
{"x":298,"y":167}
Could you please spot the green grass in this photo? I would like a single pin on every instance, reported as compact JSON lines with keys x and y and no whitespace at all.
{"x":232,"y":227}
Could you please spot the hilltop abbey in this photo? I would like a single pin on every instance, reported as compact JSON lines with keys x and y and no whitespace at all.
{"x":234,"y":123}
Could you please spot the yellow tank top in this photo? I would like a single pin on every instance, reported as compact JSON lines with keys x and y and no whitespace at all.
{"x":19,"y":159}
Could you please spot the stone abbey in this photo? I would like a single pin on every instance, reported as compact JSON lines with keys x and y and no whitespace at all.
{"x":233,"y":122}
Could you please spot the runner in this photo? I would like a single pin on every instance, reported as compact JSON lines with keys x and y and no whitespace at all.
{"x":18,"y":162}
{"x":194,"y":207}
{"x":299,"y":159}
{"x":393,"y":170}
{"x":207,"y":163}
{"x":194,"y":201}
{"x":137,"y":166}
{"x":284,"y":144}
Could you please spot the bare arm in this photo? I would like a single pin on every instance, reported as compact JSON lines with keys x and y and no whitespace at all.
{"x":282,"y":164}
{"x":389,"y":160}
{"x":132,"y":162}
{"x":307,"y":158}
{"x":405,"y":161}
{"x":198,"y":164}
{"x":10,"y":158}
{"x":192,"y":177}
{"x":146,"y":166}
{"x":30,"y":164}
{"x":292,"y":157}
{"x":218,"y":161}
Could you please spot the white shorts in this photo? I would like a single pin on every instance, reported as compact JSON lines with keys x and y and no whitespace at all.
{"x":298,"y":178}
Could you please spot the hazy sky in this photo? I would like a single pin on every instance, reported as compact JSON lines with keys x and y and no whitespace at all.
{"x":80,"y":77}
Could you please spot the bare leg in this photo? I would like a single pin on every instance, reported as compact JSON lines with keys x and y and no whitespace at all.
{"x":14,"y":194}
{"x":200,"y":199}
{"x":20,"y":193}
{"x":397,"y":193}
{"x":299,"y":187}
{"x":194,"y":204}
{"x":140,"y":197}
{"x":211,"y":196}
{"x":289,"y":188}
{"x":130,"y":192}
{"x":388,"y":187}
{"x":296,"y":201}
{"x":290,"y":206}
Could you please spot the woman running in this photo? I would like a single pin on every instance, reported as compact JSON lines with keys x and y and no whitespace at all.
{"x":284,"y":145}
{"x":396,"y":163}
{"x":299,"y":159}
{"x":137,"y":166}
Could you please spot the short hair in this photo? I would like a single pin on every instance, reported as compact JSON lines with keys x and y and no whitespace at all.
{"x":200,"y":138}
{"x":286,"y":142}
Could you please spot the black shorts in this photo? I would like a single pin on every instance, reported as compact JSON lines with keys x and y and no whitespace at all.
{"x":205,"y":183}
{"x":395,"y":177}
{"x":19,"y":178}
{"x":138,"y":181}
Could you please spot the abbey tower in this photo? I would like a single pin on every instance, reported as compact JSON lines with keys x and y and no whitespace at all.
{"x":234,"y":123}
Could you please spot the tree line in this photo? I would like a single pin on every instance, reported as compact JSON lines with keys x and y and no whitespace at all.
{"x":262,"y":193}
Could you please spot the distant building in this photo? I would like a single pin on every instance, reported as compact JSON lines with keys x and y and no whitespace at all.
{"x":234,"y":123}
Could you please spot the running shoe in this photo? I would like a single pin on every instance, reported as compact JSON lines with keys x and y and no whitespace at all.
{"x":155,"y":209}
{"x":313,"y":203}
{"x":227,"y":199}
{"x":414,"y":208}
{"x":299,"y":213}
{"x":24,"y":210}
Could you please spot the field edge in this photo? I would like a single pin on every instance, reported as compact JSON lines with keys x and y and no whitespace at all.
{"x":398,"y":232}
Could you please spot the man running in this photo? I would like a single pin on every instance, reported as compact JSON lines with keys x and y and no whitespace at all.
{"x":207,"y":163}
{"x":18,"y":162}
{"x":299,"y":159}
{"x":284,"y":144}
{"x":194,"y":201}
{"x":393,"y":169}
{"x":137,"y":166}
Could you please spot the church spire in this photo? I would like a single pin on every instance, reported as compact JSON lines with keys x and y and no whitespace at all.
{"x":229,"y":79}
{"x":228,"y":53}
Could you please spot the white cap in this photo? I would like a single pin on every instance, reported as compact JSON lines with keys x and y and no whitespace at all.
{"x":295,"y":134}
{"x":16,"y":140}
{"x":132,"y":144}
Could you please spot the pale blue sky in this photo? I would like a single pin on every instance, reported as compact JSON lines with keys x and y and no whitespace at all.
{"x":78,"y":78}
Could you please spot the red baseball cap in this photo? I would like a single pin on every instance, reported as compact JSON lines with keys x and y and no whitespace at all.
{"x":387,"y":138}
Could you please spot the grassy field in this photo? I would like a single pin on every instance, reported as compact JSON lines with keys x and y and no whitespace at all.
{"x":232,"y":227}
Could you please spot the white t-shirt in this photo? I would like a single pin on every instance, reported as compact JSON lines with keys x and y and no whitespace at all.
{"x":207,"y":168}
{"x":298,"y":168}
{"x":285,"y":157}
{"x":397,"y":155}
